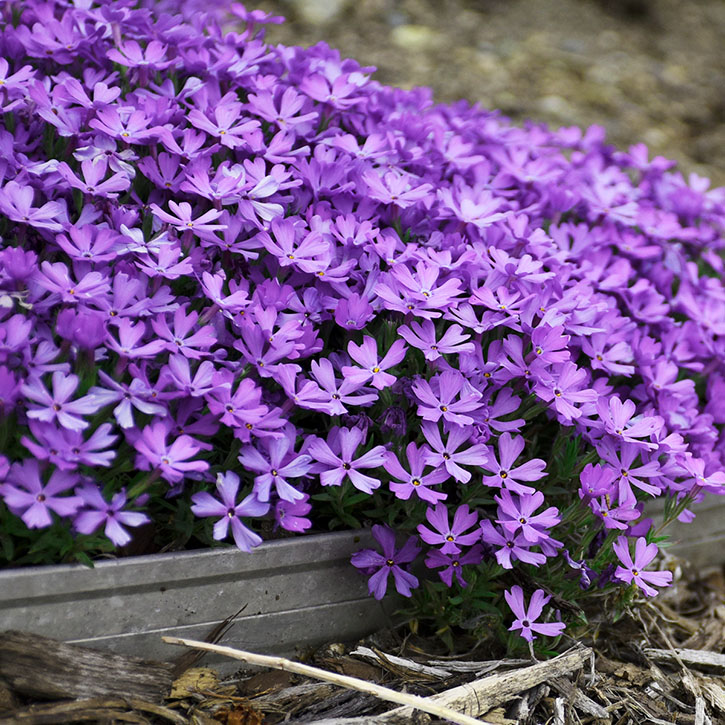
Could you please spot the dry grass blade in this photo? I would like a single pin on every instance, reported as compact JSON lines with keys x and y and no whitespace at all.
{"x":384,"y":693}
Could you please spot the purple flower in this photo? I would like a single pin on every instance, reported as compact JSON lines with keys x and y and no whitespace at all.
{"x":633,"y":571}
{"x":452,"y":564}
{"x":381,"y":565}
{"x":620,"y":421}
{"x":371,"y":368}
{"x":450,"y":536}
{"x":171,"y":459}
{"x":229,"y":511}
{"x":67,"y":449}
{"x":518,"y":515}
{"x":183,"y":221}
{"x":512,"y":546}
{"x":56,"y":278}
{"x":183,"y":338}
{"x":334,"y":396}
{"x":505,"y":476}
{"x":526,"y":616}
{"x":353,"y":312}
{"x":415,"y":481}
{"x":279,"y":464}
{"x":132,"y":55}
{"x":565,"y":388}
{"x":448,"y":396}
{"x":447,"y":454}
{"x":292,"y":515}
{"x":27,"y":496}
{"x":423,"y":336}
{"x":335,"y":459}
{"x":96,"y":511}
{"x":57,"y":405}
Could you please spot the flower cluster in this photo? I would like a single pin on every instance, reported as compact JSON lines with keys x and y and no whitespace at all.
{"x":252,"y":278}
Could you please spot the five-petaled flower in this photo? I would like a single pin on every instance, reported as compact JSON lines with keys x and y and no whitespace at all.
{"x":380,"y":566}
{"x":526,"y":616}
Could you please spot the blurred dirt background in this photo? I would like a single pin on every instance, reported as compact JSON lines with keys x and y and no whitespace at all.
{"x":649,"y":71}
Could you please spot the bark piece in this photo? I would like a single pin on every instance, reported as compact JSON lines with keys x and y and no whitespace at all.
{"x":578,"y":699}
{"x":47,"y":669}
{"x":479,"y":696}
{"x":698,"y":659}
{"x":97,"y":709}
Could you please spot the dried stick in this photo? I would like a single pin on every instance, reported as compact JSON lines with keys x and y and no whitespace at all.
{"x":352,"y":683}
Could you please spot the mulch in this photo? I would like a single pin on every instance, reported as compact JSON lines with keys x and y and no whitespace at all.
{"x":661,"y":662}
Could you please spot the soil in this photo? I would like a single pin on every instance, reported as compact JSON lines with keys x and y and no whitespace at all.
{"x":647,"y":71}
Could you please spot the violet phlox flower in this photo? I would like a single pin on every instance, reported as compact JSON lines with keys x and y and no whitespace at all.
{"x":448,"y":454}
{"x":620,"y":421}
{"x":335,"y":396}
{"x":563,"y":387}
{"x":56,"y":278}
{"x":335,"y":459}
{"x":292,"y":245}
{"x":698,"y":479}
{"x":511,"y":546}
{"x":526,"y":617}
{"x":450,"y":536}
{"x":229,"y":511}
{"x":274,"y":461}
{"x":451,"y":565}
{"x":57,"y":405}
{"x":27,"y":496}
{"x":632,"y":570}
{"x":67,"y":449}
{"x":183,"y":221}
{"x":621,"y":457}
{"x":380,"y":566}
{"x":423,"y":336}
{"x":96,"y":511}
{"x":505,"y":475}
{"x":353,"y":312}
{"x":597,"y":480}
{"x":138,"y":394}
{"x":183,"y":337}
{"x":171,"y":459}
{"x":517,"y":514}
{"x":292,"y":515}
{"x":616,"y":513}
{"x":372,"y":367}
{"x":415,"y":481}
{"x":447,"y":395}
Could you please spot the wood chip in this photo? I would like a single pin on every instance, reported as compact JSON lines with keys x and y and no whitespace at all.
{"x":93,"y":710}
{"x":47,"y":669}
{"x":475,"y":698}
{"x":578,"y":699}
{"x":713,"y":692}
{"x":690,"y":657}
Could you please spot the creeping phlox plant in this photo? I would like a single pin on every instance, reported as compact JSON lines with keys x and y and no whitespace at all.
{"x":247,"y":287}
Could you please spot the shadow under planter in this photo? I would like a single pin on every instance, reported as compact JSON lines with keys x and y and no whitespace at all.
{"x":295,"y":592}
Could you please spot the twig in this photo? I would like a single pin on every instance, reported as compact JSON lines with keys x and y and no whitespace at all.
{"x":353,"y":683}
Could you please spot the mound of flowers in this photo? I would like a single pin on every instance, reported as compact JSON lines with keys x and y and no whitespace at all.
{"x":247,"y":288}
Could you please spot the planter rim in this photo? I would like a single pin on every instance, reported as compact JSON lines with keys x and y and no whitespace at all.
{"x":317,"y":551}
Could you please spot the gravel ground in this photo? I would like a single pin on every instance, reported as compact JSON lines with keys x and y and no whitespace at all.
{"x":651,"y":71}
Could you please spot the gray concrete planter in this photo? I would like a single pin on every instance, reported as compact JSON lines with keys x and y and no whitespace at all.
{"x":701,"y":542}
{"x":298,"y":592}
